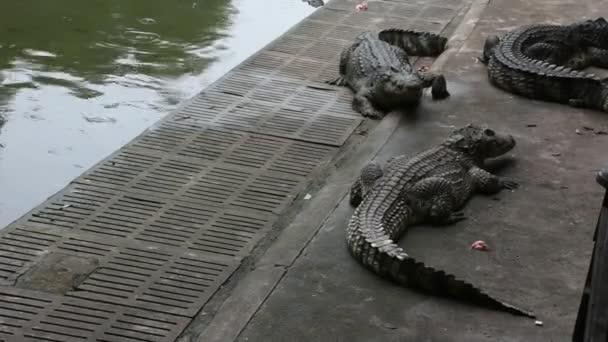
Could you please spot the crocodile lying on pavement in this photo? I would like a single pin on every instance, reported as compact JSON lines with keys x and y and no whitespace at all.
{"x":543,"y":62}
{"x":314,"y":3}
{"x":376,"y":67}
{"x":428,"y":188}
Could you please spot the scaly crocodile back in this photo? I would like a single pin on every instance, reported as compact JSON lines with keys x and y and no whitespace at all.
{"x":369,"y":57}
{"x":372,"y":54}
{"x":385,"y":213}
{"x":511,"y":70}
{"x":415,"y":43}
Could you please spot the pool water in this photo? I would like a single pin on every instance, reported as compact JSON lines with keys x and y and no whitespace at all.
{"x":79,"y":79}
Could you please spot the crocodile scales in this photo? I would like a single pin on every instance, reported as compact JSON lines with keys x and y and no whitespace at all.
{"x":543,"y":62}
{"x":428,"y":188}
{"x":377,"y":68}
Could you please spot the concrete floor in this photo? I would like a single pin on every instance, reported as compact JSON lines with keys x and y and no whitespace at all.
{"x":540,"y":235}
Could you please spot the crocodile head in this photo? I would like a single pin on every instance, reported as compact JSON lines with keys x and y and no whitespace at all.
{"x":593,"y":32}
{"x":488,"y":48}
{"x":480,"y":142}
{"x":396,"y":87}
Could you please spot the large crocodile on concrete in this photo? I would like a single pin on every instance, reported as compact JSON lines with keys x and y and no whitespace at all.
{"x":377,"y":68}
{"x":314,"y":3}
{"x":543,"y":62}
{"x":428,"y":188}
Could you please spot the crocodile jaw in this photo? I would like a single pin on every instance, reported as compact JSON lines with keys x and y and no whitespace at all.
{"x":399,"y":89}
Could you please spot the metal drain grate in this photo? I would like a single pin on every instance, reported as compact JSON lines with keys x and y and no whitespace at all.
{"x":151,"y":220}
{"x":155,"y":280}
{"x":32,"y":316}
{"x":20,"y":249}
{"x":253,"y":168}
{"x":220,"y":231}
{"x":143,"y":275}
{"x":303,"y":114}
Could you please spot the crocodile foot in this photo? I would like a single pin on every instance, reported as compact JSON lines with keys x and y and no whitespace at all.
{"x":576,"y":103}
{"x":373,"y":114}
{"x":363,"y":105}
{"x":508,"y":184}
{"x":455,"y":217}
{"x":451,"y":218}
{"x":338,"y":81}
{"x":439,"y":88}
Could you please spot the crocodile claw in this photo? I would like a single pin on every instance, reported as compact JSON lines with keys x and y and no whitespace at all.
{"x":509,"y":184}
{"x":456,"y":216}
{"x":373,"y":114}
{"x":339,"y":81}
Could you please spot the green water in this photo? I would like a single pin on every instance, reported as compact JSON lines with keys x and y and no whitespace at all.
{"x":98,"y":40}
{"x":78,"y":79}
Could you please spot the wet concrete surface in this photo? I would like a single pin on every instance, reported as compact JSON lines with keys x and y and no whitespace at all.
{"x":74,"y":89}
{"x":540,"y":235}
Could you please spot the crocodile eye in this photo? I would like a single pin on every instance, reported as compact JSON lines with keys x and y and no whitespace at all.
{"x":489,"y":132}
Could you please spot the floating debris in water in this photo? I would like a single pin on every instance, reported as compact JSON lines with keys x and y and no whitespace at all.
{"x":99,"y":119}
{"x":38,"y":53}
{"x":147,"y":21}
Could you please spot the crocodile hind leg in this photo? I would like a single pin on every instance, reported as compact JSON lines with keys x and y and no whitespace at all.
{"x":369,"y":175}
{"x":344,"y":57}
{"x":433,"y":200}
{"x":488,"y":183}
{"x":439,"y":87}
{"x":599,"y":57}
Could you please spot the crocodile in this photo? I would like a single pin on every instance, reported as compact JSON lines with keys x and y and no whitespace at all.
{"x":429,"y":187}
{"x":314,"y":3}
{"x":544,"y":62}
{"x":377,"y":69}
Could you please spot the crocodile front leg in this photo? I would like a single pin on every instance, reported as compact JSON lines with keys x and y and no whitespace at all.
{"x":439,"y":87}
{"x":344,"y":58}
{"x":363,"y":105}
{"x":338,"y":81}
{"x":432,"y":200}
{"x":488,"y":183}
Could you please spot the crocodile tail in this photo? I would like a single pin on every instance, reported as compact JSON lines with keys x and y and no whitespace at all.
{"x":415,"y":43}
{"x":377,"y":252}
{"x":428,"y":279}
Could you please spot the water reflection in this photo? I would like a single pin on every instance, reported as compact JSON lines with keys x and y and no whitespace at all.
{"x":80,"y":79}
{"x":95,"y":42}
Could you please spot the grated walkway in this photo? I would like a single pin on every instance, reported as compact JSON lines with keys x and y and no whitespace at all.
{"x":133,"y":249}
